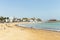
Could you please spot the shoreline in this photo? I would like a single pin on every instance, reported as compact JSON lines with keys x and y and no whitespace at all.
{"x":24,"y":26}
{"x":15,"y":24}
{"x":10,"y":31}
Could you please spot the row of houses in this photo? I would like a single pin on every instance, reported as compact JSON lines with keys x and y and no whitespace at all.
{"x":26,"y":20}
{"x":7,"y":19}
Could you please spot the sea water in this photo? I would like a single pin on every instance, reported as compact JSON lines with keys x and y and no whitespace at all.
{"x":54,"y":26}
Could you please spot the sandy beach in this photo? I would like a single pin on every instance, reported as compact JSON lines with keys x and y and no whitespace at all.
{"x":9,"y":31}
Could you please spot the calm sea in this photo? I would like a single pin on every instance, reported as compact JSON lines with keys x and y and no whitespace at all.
{"x":55,"y":26}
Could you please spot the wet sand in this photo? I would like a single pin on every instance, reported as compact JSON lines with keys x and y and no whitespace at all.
{"x":9,"y":31}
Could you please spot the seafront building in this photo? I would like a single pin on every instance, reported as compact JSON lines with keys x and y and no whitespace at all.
{"x":7,"y":19}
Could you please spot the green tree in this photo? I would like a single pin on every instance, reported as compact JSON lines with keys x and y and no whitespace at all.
{"x":33,"y":18}
{"x":25,"y":19}
{"x":38,"y":19}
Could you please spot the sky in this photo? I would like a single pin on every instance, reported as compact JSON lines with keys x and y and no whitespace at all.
{"x":44,"y":9}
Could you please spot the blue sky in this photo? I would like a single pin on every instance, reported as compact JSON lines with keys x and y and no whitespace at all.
{"x":44,"y":9}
